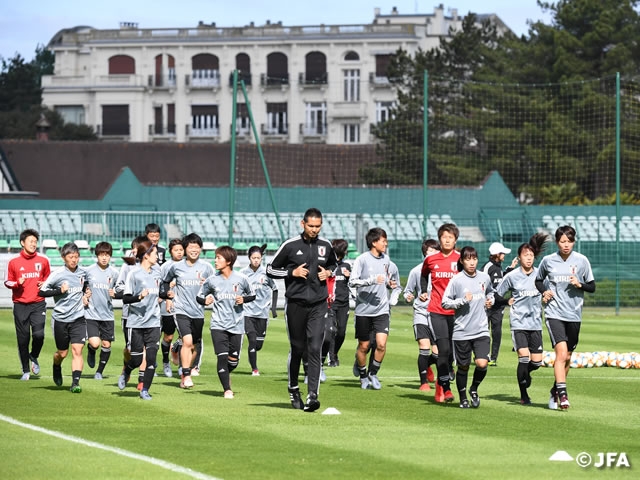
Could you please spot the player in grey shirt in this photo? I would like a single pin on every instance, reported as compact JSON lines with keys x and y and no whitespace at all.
{"x":67,"y":286}
{"x":562,"y":278}
{"x":421,"y":324}
{"x":371,"y":276}
{"x":469,"y":294}
{"x":228,"y":291}
{"x":526,"y":312}
{"x":189,"y":275}
{"x":101,"y":278}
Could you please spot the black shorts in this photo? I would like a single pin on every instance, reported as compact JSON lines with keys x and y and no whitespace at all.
{"x":141,"y":338}
{"x":462,"y":349}
{"x":190,"y":326}
{"x":422,"y":331}
{"x":226,"y":343}
{"x":257,"y":326}
{"x":561,"y":331}
{"x":66,"y":333}
{"x":101,"y":328}
{"x":531,"y":339}
{"x":168,"y":324}
{"x":441,"y":326}
{"x":365,"y":326}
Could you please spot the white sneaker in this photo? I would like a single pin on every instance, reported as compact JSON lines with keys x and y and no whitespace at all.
{"x":166,"y":368}
{"x":35,"y":366}
{"x":553,"y":402}
{"x":228,"y":394}
{"x":306,"y":380}
{"x":25,"y":377}
{"x":255,"y":373}
{"x":97,"y":376}
{"x":195,"y":372}
{"x":323,"y":376}
{"x":365,"y":383}
{"x":188,"y":382}
{"x":393,"y":298}
{"x":375,"y":383}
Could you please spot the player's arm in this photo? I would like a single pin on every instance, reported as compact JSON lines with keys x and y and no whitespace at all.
{"x":279,"y":266}
{"x":424,"y":276}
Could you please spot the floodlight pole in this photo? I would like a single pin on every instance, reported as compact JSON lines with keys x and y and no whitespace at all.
{"x":425,"y":146}
{"x":232,"y":175}
{"x":617,"y":193}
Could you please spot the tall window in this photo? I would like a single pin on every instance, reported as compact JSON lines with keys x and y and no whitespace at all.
{"x":115,"y":120}
{"x":277,"y":69}
{"x":351,"y":133}
{"x":205,"y":70}
{"x":382,"y":64}
{"x":352,"y":85}
{"x":243,"y":124}
{"x":315,"y":118}
{"x":276,"y":119}
{"x":122,"y":65}
{"x":204,"y":120}
{"x":243,"y":65}
{"x":315,"y":68}
{"x":383,"y":111}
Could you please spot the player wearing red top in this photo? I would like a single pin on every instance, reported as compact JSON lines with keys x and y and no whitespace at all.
{"x":25,"y":274}
{"x":441,"y":266}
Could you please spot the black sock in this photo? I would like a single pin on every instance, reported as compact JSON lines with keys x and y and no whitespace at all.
{"x":75,"y":375}
{"x":166,"y":348}
{"x":149,"y":373}
{"x":522,"y":374}
{"x":105,"y":353}
{"x":562,"y":389}
{"x":478,"y":376}
{"x":461,"y":382}
{"x":423,"y":364}
{"x":375,"y":367}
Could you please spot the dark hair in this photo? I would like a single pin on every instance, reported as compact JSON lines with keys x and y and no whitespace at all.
{"x":191,"y":238}
{"x":103,"y":247}
{"x":152,"y":228}
{"x":340,"y":247}
{"x":373,"y":235}
{"x":173,"y":243}
{"x":312,"y":213}
{"x":567,"y":230}
{"x":429,"y":243}
{"x":29,"y":232}
{"x":449,"y":228}
{"x":257,"y":249}
{"x":68,"y":248}
{"x":466,"y":253}
{"x":135,"y":244}
{"x":144,"y":247}
{"x":228,"y":253}
{"x":536,"y":244}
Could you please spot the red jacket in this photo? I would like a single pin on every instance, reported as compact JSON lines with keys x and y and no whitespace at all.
{"x":34,"y":269}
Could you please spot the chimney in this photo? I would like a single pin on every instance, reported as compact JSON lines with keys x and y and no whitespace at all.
{"x":394,"y":11}
{"x":42,"y":129}
{"x":376,"y":12}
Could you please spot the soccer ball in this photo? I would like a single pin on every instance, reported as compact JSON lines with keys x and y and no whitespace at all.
{"x":548,"y":359}
{"x":612,"y":359}
{"x":576,"y":361}
{"x":625,"y":360}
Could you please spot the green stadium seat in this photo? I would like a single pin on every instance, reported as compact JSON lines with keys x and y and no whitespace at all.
{"x":4,"y":245}
{"x":353,"y":255}
{"x":210,"y":254}
{"x":14,"y":245}
{"x":272,"y":246}
{"x":56,"y":262}
{"x":241,"y":246}
{"x":52,"y":252}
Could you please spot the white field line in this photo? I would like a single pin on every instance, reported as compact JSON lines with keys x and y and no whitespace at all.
{"x":118,"y":451}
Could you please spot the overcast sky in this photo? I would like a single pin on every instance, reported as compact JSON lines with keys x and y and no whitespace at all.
{"x":24,"y":24}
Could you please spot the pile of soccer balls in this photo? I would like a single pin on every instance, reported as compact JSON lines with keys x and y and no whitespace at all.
{"x":597,"y":359}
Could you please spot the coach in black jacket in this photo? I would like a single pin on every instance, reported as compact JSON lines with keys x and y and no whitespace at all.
{"x":305,"y":262}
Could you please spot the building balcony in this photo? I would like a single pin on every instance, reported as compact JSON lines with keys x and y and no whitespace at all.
{"x":313,"y":133}
{"x":162,"y":131}
{"x":106,"y":82}
{"x":353,"y":110}
{"x":203,"y":79}
{"x":313,"y":81}
{"x":162,"y":81}
{"x":376,"y":81}
{"x":202,"y":133}
{"x":246,"y":77}
{"x":275,"y":134}
{"x":281,"y":81}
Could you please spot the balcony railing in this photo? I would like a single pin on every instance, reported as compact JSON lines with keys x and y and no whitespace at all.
{"x":379,"y":81}
{"x":162,"y":130}
{"x":277,"y":130}
{"x":241,"y":76}
{"x":316,"y":80}
{"x":319,"y":130}
{"x":241,"y":131}
{"x":211,"y":132}
{"x":203,"y":79}
{"x":163,"y":80}
{"x":53,"y":82}
{"x":266,"y":81}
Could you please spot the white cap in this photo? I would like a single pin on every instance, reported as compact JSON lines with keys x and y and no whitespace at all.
{"x":496,"y":247}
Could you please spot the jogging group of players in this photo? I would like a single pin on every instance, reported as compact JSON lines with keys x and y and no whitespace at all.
{"x":457,"y":309}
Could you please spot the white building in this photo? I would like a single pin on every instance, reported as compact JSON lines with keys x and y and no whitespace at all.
{"x":322,"y":83}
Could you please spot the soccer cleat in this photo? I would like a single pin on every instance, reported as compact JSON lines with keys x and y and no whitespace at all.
{"x":195,"y":372}
{"x":564,"y":402}
{"x":356,"y":369}
{"x":35,"y":366}
{"x":187,"y":381}
{"x":25,"y":376}
{"x":122,"y":380}
{"x":57,"y":374}
{"x":439,"y":396}
{"x":140,"y":386}
{"x":365,"y":383}
{"x":323,"y":376}
{"x":296,"y":400}
{"x":228,"y":394}
{"x":493,"y":363}
{"x":448,"y":396}
{"x":175,"y":352}
{"x":375,"y":382}
{"x":166,"y":369}
{"x":312,"y":404}
{"x":97,"y":376}
{"x":464,"y":403}
{"x":75,"y":388}
{"x":306,"y":379}
{"x":553,"y":400}
{"x":144,"y":394}
{"x":91,"y":357}
{"x":425,"y":387}
{"x":452,"y":375}
{"x":430,"y":376}
{"x":255,"y":373}
{"x":475,"y":399}
{"x":525,"y":401}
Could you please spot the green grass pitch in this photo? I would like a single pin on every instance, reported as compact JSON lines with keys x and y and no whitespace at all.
{"x":397,"y":432}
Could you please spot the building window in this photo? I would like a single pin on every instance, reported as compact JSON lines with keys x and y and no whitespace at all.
{"x":243,"y":123}
{"x":243,"y":65}
{"x":277,"y":69}
{"x":71,"y":113}
{"x":352,"y":56}
{"x":315,"y":68}
{"x":276,"y":119}
{"x":204,"y":121}
{"x":383,"y":111}
{"x":382,"y":65}
{"x":351,"y":133}
{"x":122,"y":65}
{"x":352,"y":85}
{"x":205,"y":70}
{"x":115,"y":120}
{"x":165,"y":71}
{"x":315,"y":119}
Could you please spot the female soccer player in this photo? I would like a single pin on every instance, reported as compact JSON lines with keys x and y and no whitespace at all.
{"x":469,"y":293}
{"x":525,"y":315}
{"x":562,"y":278}
{"x":141,"y":293}
{"x":340,"y":303}
{"x":228,"y":291}
{"x":256,"y":313}
{"x":176,"y":251}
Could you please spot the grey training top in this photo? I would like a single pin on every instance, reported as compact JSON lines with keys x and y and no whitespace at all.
{"x":263,"y":287}
{"x":100,"y":281}
{"x":470,"y":317}
{"x":567,"y":302}
{"x":189,"y":279}
{"x":68,"y":306}
{"x":420,"y":314}
{"x":526,"y":311}
{"x":371,"y":297}
{"x":146,"y":312}
{"x":226,"y":315}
